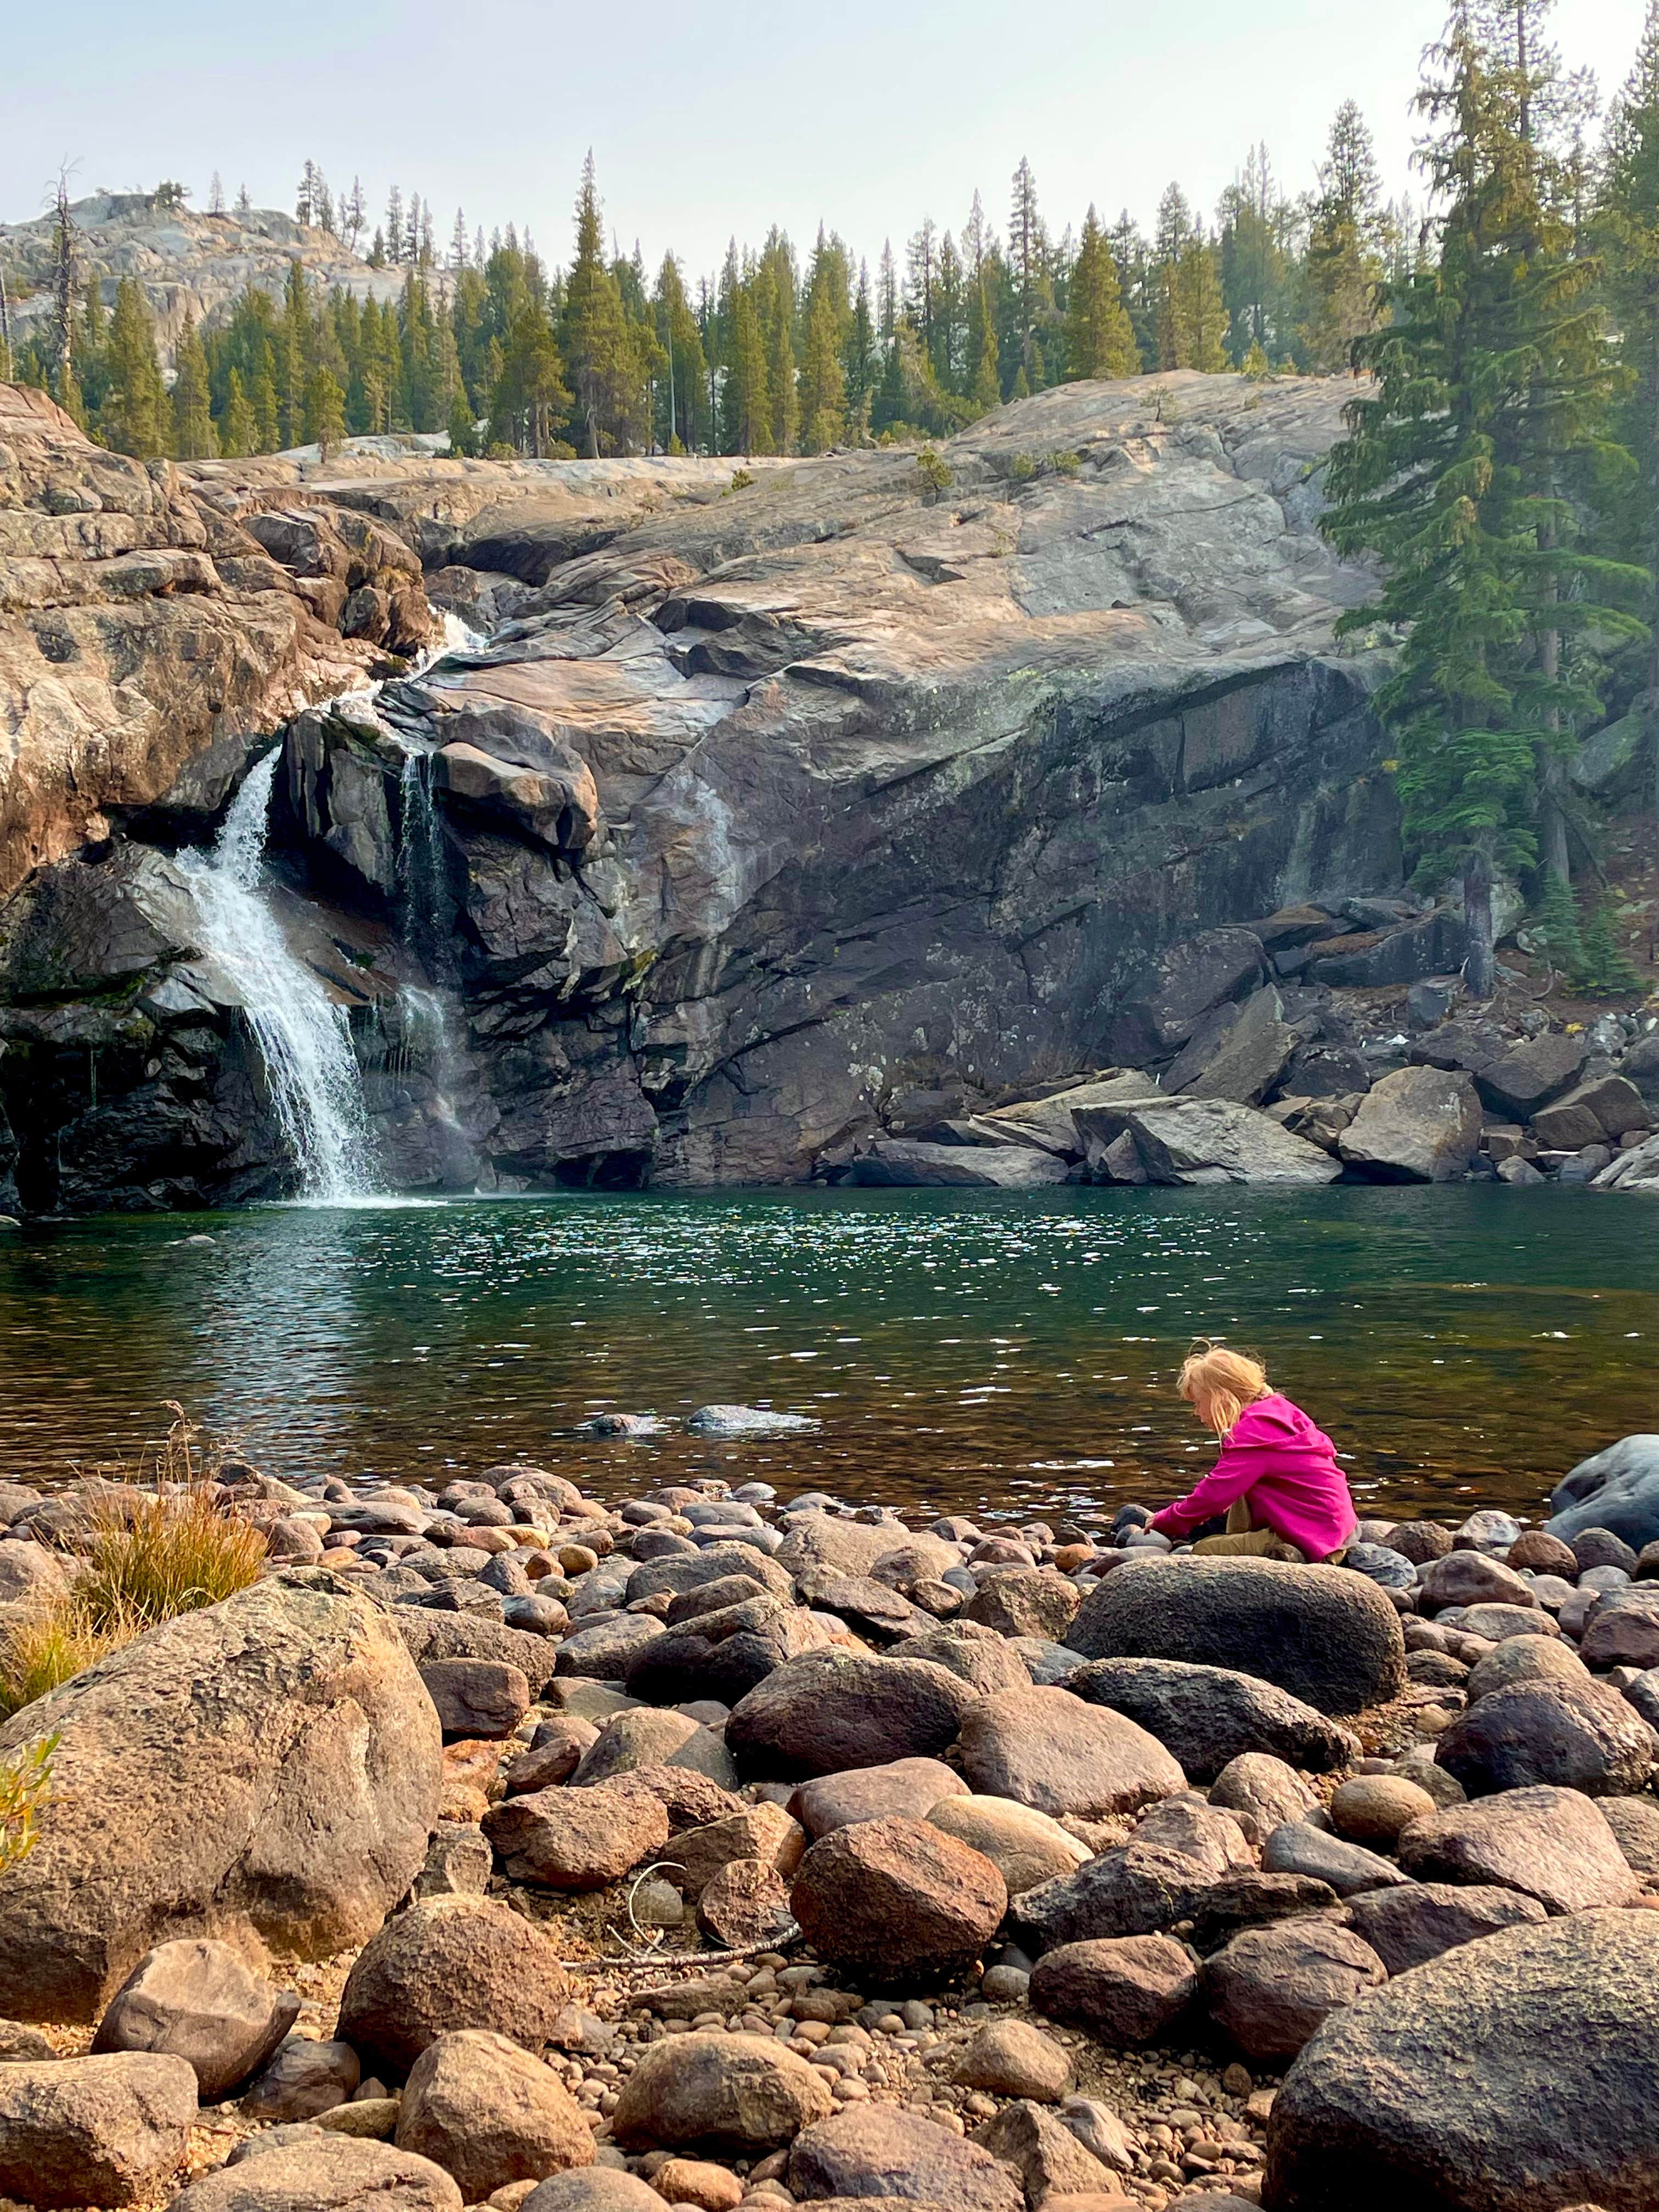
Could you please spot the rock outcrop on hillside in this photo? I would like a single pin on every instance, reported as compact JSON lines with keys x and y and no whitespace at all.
{"x":187,"y":261}
{"x":772,"y":808}
{"x":147,"y":617}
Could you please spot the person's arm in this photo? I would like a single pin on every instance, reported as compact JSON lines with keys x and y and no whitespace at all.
{"x":1236,"y":1471}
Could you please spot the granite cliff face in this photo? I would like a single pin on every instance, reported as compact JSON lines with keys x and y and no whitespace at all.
{"x":187,"y":261}
{"x":766,"y":809}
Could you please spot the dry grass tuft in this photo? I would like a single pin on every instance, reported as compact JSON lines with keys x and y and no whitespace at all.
{"x":164,"y":1556}
{"x":153,"y":1556}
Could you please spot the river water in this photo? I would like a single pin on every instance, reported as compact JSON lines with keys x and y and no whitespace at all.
{"x":959,"y":1351}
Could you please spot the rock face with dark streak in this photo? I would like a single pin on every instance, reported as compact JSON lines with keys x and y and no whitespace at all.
{"x":783,"y":801}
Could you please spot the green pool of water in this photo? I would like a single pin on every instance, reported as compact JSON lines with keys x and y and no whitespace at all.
{"x":960,"y":1351}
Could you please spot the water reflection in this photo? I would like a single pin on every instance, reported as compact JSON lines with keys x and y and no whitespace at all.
{"x":957,"y":1349}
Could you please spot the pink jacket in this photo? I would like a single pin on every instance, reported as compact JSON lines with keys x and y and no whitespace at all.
{"x":1287,"y":1469}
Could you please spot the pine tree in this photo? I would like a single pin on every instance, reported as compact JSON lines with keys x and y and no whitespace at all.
{"x":601,"y":350}
{"x":1604,"y":969}
{"x":1099,"y":341}
{"x":1555,"y":924}
{"x":1200,"y":310}
{"x":238,"y":436}
{"x":193,"y":436}
{"x":780,"y":387}
{"x":1487,"y":359}
{"x":325,"y":422}
{"x":531,"y":397}
{"x":746,"y":399}
{"x":986,"y":391}
{"x":823,"y":383}
{"x":267,"y":416}
{"x":1627,"y":229}
{"x":1345,"y":266}
{"x":293,"y":354}
{"x":131,"y":417}
{"x":216,"y":195}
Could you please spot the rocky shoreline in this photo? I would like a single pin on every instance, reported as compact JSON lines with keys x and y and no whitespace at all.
{"x":500,"y":1847}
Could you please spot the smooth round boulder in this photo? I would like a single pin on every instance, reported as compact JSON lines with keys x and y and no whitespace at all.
{"x":1273,"y":1987}
{"x":1051,"y":1750}
{"x":455,"y":1962}
{"x":1025,"y":1846}
{"x":1421,"y":1919}
{"x":1026,"y":1602}
{"x":322,"y":2173}
{"x":1011,"y":2058}
{"x":832,"y":1709}
{"x":1572,"y":1736}
{"x":1332,"y":1639}
{"x":593,"y":2188}
{"x":479,"y":2105}
{"x":1205,"y":1715}
{"x":897,"y":1896}
{"x":1268,"y":1791}
{"x":270,"y":1763}
{"x":1126,"y":1990}
{"x":110,"y":2130}
{"x":202,"y":2002}
{"x":906,"y":1788}
{"x":880,"y":2151}
{"x":1550,"y":1843}
{"x":742,"y":2094}
{"x":1386,"y":2106}
{"x":978,"y":1653}
{"x":1524,"y":1659}
{"x":1616,"y":1489}
{"x":577,"y":1839}
{"x":1373,"y":1808}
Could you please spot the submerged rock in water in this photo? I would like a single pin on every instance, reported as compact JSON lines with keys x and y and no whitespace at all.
{"x":747,"y":1421}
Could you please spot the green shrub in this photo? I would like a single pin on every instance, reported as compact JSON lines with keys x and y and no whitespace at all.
{"x":932,"y":472}
{"x":25,"y":1785}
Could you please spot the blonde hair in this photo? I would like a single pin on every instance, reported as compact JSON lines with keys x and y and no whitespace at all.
{"x":1221,"y":1382}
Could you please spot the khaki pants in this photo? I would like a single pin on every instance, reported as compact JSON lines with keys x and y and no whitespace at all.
{"x":1243,"y":1539}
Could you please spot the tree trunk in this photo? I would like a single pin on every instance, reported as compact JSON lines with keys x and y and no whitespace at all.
{"x":1653,"y":647}
{"x":1554,"y":818}
{"x":1479,"y":967}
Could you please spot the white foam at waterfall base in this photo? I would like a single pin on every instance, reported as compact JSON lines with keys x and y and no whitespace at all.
{"x":303,"y":1037}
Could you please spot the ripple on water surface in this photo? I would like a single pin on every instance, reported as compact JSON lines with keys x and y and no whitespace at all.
{"x":956,"y":1349}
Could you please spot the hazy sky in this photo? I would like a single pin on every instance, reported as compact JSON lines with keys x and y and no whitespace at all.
{"x":707,"y":120}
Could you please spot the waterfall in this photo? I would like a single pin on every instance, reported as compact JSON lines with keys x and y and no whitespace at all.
{"x":426,"y":905}
{"x":304,"y":1038}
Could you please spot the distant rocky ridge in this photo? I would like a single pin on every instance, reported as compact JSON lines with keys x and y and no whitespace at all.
{"x":777,"y":821}
{"x":187,"y":262}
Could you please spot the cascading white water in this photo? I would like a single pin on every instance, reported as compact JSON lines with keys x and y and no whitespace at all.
{"x":304,"y":1038}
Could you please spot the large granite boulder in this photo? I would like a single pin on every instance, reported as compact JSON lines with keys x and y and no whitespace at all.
{"x":1045,"y":1748}
{"x":1548,"y":1843}
{"x":1385,"y":2106}
{"x":1616,"y":1489}
{"x":1331,"y":1638}
{"x":1579,"y":1735}
{"x":1417,"y":1125}
{"x":1210,"y":1140}
{"x":831,"y":1709}
{"x":102,"y":2131}
{"x":897,"y":1896}
{"x":326,"y":2173}
{"x":1206,"y":1717}
{"x":268,"y":1764}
